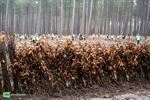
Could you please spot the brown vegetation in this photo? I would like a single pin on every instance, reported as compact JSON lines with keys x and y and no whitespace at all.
{"x":56,"y":67}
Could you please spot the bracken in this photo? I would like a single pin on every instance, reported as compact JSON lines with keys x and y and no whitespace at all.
{"x":70,"y":65}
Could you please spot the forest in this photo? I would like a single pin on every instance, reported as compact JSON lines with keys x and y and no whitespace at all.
{"x":74,"y":48}
{"x":66,"y":17}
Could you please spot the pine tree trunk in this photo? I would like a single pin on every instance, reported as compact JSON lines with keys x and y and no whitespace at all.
{"x":90,"y":18}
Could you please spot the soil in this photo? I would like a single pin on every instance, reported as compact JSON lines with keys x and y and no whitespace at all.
{"x":121,"y":91}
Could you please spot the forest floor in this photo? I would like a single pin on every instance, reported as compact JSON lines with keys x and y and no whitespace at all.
{"x":139,"y":90}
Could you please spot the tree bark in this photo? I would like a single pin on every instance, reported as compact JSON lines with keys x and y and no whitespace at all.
{"x":73,"y":16}
{"x":90,"y":18}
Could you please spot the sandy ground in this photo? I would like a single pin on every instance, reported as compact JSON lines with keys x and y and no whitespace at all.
{"x":139,"y":90}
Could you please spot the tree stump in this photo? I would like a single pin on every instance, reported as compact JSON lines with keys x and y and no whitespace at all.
{"x":12,"y":55}
{"x":3,"y":61}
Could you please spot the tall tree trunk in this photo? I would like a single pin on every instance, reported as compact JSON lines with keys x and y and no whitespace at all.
{"x":38,"y":30}
{"x":62,"y":17}
{"x":73,"y":16}
{"x":97,"y":19}
{"x":83,"y":18}
{"x":89,"y":24}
